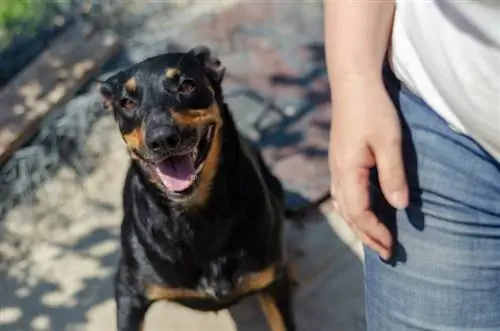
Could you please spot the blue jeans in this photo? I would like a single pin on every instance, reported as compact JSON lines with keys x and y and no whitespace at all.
{"x":445,"y":273}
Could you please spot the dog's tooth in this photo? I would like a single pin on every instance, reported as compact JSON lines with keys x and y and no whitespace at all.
{"x":199,"y":167}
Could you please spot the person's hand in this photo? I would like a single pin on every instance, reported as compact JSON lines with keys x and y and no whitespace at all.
{"x":366,"y":132}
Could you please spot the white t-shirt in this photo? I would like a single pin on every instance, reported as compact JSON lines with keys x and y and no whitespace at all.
{"x":448,"y":53}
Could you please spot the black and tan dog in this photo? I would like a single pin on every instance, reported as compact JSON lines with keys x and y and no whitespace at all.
{"x":203,"y":215}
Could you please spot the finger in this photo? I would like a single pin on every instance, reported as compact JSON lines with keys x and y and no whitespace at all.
{"x":391,"y":172}
{"x":383,"y":252}
{"x":355,"y":203}
{"x":363,"y":237}
{"x":381,"y":243}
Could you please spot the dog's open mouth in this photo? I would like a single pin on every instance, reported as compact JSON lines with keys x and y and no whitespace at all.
{"x":179,"y":173}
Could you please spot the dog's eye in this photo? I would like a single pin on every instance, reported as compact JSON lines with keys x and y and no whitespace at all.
{"x":127,"y":104}
{"x":186,"y":86}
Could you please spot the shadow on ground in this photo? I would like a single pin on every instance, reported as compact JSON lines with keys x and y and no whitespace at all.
{"x":58,"y":296}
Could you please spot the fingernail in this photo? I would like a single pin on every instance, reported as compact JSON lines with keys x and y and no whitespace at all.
{"x":385,"y":255}
{"x":398,"y":199}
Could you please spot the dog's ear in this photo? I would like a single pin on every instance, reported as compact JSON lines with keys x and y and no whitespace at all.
{"x":106,"y":89}
{"x":108,"y":85}
{"x":213,"y":67}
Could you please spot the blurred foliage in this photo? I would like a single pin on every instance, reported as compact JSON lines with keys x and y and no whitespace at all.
{"x":22,"y":17}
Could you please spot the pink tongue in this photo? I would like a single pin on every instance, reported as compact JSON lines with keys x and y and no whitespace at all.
{"x":177,"y":172}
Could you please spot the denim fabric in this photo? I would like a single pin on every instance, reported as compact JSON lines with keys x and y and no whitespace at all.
{"x":445,"y":274}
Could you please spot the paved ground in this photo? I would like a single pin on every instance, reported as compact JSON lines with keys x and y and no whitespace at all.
{"x":62,"y":251}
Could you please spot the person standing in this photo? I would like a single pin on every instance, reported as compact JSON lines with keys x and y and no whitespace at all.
{"x":415,"y":156}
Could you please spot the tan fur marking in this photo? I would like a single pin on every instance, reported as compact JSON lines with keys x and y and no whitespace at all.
{"x":156,"y":292}
{"x":134,"y":139}
{"x":207,"y":174}
{"x":249,"y":283}
{"x":274,"y":318}
{"x":257,"y":281}
{"x":195,"y":117}
{"x":172,"y":72}
{"x":131,"y":85}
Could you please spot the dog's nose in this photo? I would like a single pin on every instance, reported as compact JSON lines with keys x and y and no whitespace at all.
{"x":163,"y":139}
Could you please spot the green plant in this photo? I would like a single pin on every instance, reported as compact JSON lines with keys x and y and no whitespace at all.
{"x":20,"y":17}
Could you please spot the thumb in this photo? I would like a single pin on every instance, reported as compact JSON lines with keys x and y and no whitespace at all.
{"x":391,"y":173}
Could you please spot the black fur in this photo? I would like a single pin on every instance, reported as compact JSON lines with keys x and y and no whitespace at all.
{"x":209,"y":247}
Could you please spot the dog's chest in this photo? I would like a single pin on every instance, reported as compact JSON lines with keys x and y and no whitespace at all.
{"x":219,"y":281}
{"x":221,"y":277}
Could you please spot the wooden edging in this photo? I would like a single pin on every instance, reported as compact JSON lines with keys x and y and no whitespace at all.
{"x":49,"y":81}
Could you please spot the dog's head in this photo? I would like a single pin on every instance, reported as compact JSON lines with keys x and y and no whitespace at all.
{"x":168,"y":115}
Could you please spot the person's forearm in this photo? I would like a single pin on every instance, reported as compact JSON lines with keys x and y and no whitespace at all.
{"x":357,"y":35}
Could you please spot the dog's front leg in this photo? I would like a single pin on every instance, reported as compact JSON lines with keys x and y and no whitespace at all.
{"x":130,"y":314}
{"x":131,"y":308}
{"x":277,"y":304}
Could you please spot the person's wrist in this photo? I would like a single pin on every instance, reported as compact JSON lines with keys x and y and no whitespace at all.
{"x":355,"y":88}
{"x":355,"y":77}
{"x":344,"y":77}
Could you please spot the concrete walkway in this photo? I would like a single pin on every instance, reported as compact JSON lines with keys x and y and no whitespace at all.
{"x":66,"y":282}
{"x":57,"y":256}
